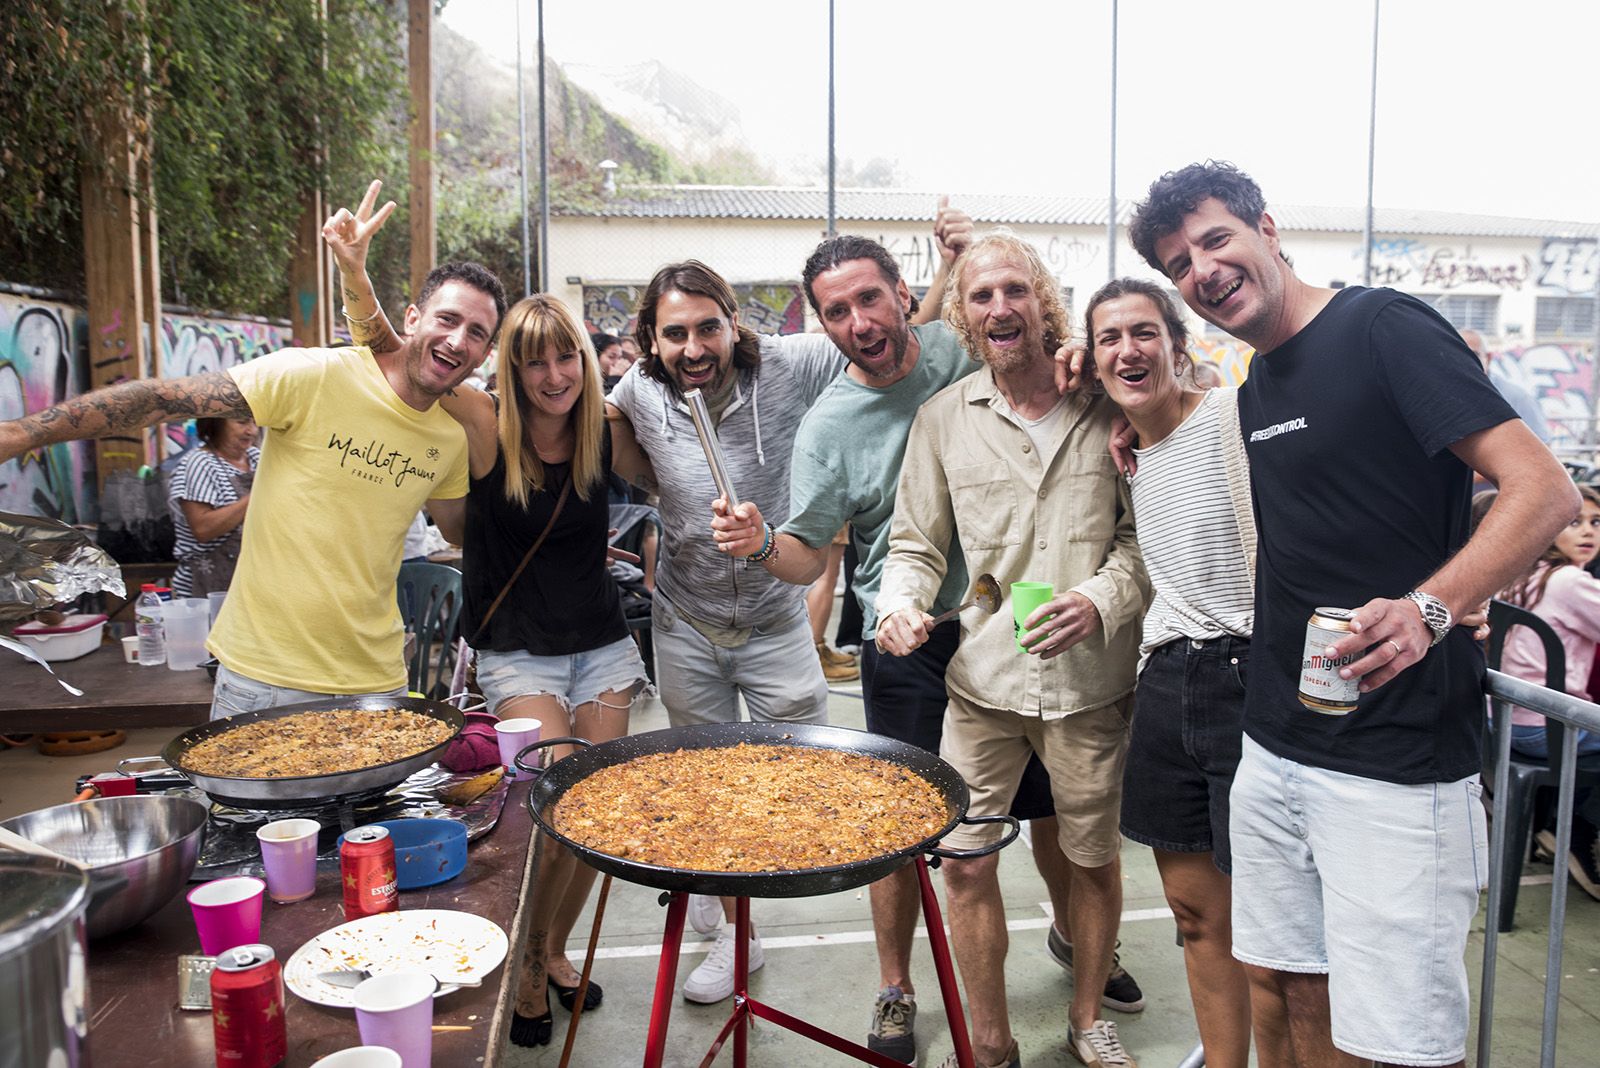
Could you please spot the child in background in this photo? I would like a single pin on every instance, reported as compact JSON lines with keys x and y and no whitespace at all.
{"x":1561,"y":591}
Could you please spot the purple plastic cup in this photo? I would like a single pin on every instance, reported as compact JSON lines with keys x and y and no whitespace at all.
{"x":227,"y":913}
{"x":396,"y":1011}
{"x":289,"y":853}
{"x":515,"y":735}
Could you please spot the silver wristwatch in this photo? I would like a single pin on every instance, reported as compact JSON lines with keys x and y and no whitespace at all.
{"x":1434,"y":613}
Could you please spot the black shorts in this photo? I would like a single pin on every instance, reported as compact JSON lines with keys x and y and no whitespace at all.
{"x":905,"y":699}
{"x":1187,"y":730}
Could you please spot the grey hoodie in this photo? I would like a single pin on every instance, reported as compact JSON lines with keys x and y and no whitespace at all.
{"x":757,"y":432}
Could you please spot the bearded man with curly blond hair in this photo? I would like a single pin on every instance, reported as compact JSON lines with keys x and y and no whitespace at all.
{"x":1015,"y":477}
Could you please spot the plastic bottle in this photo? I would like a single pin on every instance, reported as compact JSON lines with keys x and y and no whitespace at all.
{"x":152,"y":638}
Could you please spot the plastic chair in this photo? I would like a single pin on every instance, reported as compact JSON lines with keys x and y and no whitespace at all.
{"x":430,"y":607}
{"x":1527,"y":774}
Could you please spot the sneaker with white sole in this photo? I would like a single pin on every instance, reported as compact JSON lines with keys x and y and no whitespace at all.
{"x":894,"y":1015}
{"x":1099,"y":1046}
{"x":712,"y":981}
{"x":1013,"y":1059}
{"x":705,"y":913}
{"x":1122,"y":993}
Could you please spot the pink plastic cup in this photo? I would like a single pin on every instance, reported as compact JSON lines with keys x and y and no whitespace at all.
{"x":227,"y":913}
{"x":396,"y":1011}
{"x":515,"y":735}
{"x":289,"y":853}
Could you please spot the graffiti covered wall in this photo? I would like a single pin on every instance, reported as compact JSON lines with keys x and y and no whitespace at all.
{"x":43,"y":361}
{"x":1560,"y":376}
{"x":42,"y":355}
{"x":767,"y":309}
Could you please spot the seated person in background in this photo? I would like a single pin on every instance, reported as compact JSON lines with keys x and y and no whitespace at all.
{"x":208,"y":496}
{"x":1560,"y":591}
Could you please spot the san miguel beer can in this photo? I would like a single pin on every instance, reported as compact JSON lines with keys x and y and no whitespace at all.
{"x":1321,"y":688}
{"x":366,"y":870}
{"x":247,"y":1009}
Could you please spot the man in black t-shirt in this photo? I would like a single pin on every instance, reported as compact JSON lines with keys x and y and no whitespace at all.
{"x":1358,"y":839}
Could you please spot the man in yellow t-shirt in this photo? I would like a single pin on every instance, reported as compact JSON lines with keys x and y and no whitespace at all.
{"x":355,"y":445}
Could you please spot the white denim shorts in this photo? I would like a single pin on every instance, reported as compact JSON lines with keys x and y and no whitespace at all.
{"x":1373,"y":883}
{"x":573,"y":679}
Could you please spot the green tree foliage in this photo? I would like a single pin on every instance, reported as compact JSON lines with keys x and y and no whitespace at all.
{"x":236,"y":97}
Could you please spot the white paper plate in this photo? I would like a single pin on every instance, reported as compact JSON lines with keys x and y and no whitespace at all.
{"x":440,"y":941}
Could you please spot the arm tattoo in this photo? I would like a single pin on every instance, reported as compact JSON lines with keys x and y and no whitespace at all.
{"x":134,"y":405}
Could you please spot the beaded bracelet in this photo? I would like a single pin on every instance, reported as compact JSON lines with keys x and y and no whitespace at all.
{"x":769,"y":548}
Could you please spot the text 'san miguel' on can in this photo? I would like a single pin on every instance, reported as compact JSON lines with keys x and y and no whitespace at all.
{"x":247,"y":1009}
{"x":366,"y":870}
{"x":1321,"y":688}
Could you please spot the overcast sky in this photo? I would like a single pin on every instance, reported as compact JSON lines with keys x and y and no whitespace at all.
{"x":1485,"y":106}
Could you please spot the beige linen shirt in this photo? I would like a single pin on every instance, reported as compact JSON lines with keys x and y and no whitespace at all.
{"x":972,"y":476}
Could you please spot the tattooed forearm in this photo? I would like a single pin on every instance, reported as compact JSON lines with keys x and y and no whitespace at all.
{"x":128,"y":406}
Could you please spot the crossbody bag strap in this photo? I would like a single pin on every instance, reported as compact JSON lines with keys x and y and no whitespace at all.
{"x":1237,"y":463}
{"x":561,"y":502}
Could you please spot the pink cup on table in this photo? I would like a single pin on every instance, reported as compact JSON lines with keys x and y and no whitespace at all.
{"x":516,"y":735}
{"x":289,"y":854}
{"x":396,"y":1011}
{"x":227,"y":913}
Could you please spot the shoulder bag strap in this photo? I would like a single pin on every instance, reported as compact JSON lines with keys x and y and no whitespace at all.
{"x":1238,"y":465}
{"x":561,"y":502}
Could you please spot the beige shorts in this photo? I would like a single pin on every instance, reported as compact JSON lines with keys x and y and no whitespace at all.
{"x":1084,"y":754}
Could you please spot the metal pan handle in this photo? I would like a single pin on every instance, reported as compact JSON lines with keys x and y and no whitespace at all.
{"x":155,"y":763}
{"x":545,"y":743}
{"x":981,"y":851}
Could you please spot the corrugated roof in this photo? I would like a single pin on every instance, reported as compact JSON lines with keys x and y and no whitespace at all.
{"x":900,"y":205}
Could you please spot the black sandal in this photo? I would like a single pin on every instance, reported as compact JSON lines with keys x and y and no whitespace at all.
{"x":533,"y":1030}
{"x":567,"y":995}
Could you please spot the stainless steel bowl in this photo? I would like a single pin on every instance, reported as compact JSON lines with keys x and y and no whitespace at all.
{"x":139,"y":851}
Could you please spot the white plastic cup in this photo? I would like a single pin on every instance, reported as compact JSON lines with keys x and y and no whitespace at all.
{"x":130,"y":649}
{"x":362,"y":1057}
{"x":187,"y":622}
{"x":514,"y":736}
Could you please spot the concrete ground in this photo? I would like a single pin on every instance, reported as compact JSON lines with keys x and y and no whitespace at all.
{"x":821,"y":966}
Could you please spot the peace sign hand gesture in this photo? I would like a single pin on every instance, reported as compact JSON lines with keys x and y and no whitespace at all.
{"x":349,"y":235}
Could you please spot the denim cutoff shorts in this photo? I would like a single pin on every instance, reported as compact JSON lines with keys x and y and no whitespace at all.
{"x":572,"y":679}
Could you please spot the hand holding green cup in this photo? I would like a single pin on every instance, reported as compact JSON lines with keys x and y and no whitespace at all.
{"x":1026,"y":597}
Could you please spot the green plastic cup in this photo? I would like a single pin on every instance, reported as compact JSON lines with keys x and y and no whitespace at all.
{"x":1025,"y":597}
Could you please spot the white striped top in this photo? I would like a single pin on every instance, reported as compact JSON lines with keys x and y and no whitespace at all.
{"x":1190,"y":537}
{"x":205,"y":477}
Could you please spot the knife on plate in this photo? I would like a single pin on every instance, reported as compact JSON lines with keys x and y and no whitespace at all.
{"x":354,"y":977}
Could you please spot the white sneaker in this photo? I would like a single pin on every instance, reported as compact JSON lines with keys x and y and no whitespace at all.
{"x":1099,"y":1047}
{"x":712,"y":981}
{"x":705,"y":913}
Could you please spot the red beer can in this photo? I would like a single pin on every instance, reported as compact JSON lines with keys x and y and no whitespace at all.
{"x":247,"y":1009}
{"x":366,"y":869}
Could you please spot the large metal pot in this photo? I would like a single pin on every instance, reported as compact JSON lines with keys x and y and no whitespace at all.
{"x":43,"y":979}
{"x":548,"y":788}
{"x":139,"y":851}
{"x":303,"y":790}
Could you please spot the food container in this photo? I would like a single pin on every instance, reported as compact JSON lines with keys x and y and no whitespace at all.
{"x":73,"y":637}
{"x":426,"y":851}
{"x":43,"y":979}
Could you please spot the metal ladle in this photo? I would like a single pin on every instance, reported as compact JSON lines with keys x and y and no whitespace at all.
{"x":985,"y":594}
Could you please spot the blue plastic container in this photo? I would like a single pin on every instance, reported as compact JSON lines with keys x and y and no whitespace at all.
{"x":426,"y":852}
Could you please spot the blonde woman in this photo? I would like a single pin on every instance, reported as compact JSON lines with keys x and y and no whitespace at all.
{"x":556,"y":647}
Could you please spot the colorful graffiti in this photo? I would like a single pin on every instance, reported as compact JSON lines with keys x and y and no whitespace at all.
{"x":1561,"y":377}
{"x":1231,"y":358}
{"x":43,"y":361}
{"x":42,"y":347}
{"x":777,"y":308}
{"x":1569,"y":265}
{"x":191,"y":345}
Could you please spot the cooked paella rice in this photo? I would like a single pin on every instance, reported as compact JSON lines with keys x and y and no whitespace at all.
{"x":316,"y":743}
{"x":749,"y":808}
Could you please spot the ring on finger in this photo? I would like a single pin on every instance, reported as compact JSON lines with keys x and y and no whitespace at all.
{"x":1395,"y":644}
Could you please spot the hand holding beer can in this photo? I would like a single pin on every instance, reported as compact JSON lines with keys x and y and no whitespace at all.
{"x":1321,"y":688}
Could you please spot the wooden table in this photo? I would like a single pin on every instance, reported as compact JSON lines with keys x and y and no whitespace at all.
{"x":133,"y":977}
{"x":116,"y":694}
